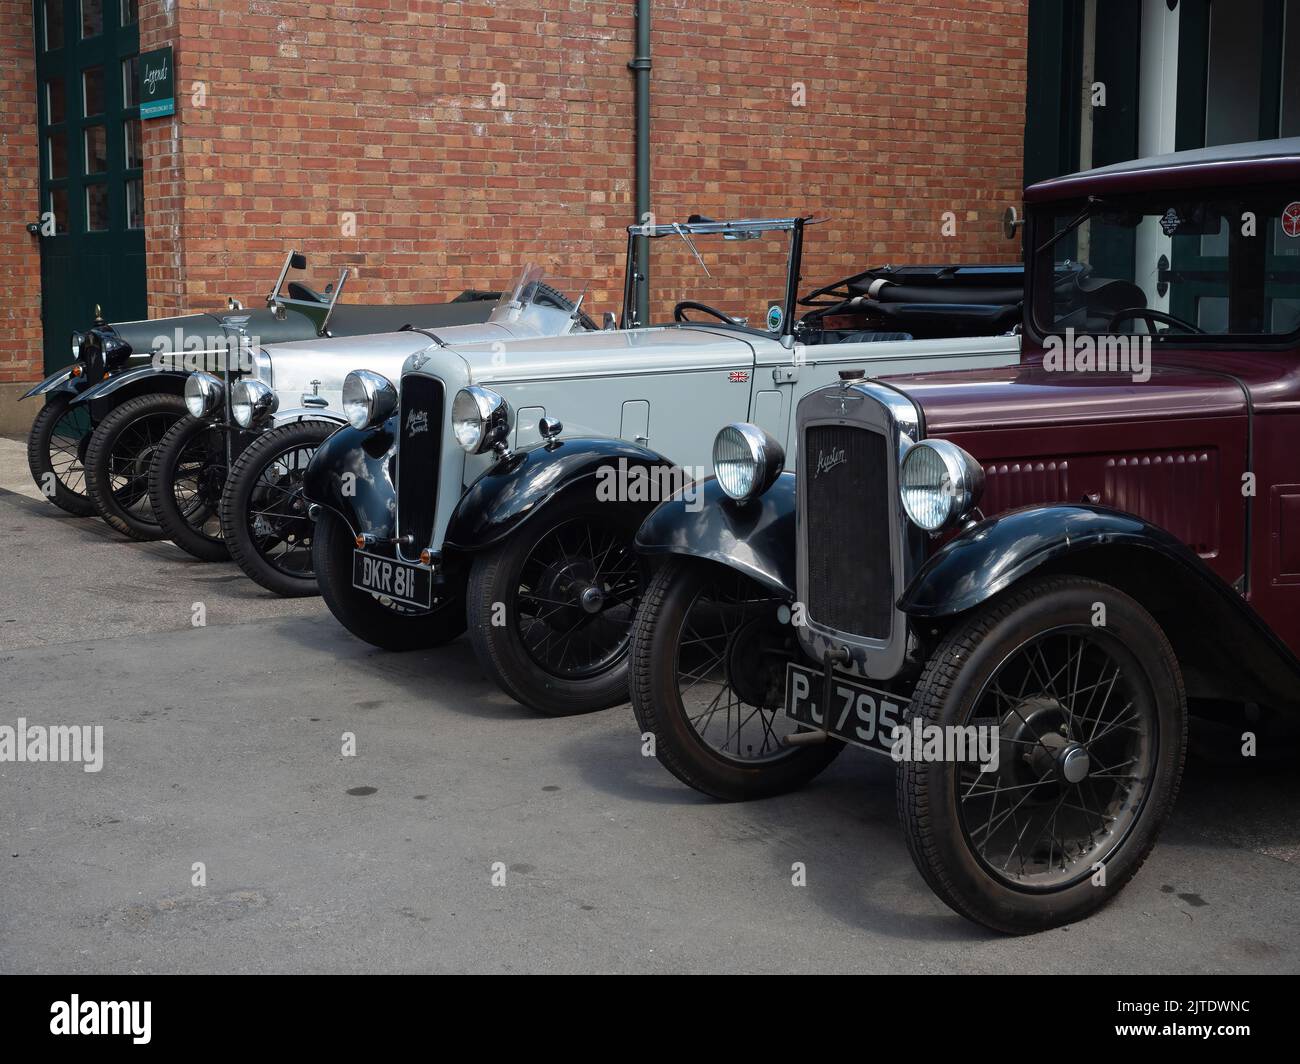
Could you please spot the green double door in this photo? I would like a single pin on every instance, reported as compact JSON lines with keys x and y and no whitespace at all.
{"x":91,"y":224}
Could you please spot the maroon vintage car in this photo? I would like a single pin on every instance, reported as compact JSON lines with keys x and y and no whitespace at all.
{"x":1018,"y":582}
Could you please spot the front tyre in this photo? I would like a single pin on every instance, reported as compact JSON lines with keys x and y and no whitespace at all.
{"x":56,"y":448}
{"x":119,"y":458}
{"x":185,"y":483}
{"x":1091,"y":723}
{"x":553,"y":606}
{"x":263,"y":511}
{"x":709,"y":656}
{"x":379,"y":621}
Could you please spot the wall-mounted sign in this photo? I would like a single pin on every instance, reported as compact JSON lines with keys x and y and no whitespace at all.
{"x":157,"y":84}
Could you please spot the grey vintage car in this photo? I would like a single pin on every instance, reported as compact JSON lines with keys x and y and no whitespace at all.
{"x":226,"y":479}
{"x":503,"y":491}
{"x":121,"y":362}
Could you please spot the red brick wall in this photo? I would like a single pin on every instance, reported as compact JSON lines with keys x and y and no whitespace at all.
{"x":384,"y":108}
{"x":291,"y":114}
{"x":20,"y":260}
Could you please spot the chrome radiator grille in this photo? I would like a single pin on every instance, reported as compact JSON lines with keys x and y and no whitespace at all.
{"x":850,"y":575}
{"x":419,"y":450}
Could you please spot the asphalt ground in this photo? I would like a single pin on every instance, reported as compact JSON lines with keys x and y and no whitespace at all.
{"x":223,"y":745}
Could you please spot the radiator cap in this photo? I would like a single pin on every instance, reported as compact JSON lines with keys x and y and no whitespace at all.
{"x":852,"y":374}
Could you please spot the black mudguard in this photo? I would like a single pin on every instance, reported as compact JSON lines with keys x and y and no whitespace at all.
{"x":996,"y":553}
{"x":757,"y":539}
{"x":499,"y":502}
{"x":1225,"y":648}
{"x":59,"y":383}
{"x":350,"y":475}
{"x":118,"y":388}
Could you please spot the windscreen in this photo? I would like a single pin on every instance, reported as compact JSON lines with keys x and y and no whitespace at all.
{"x":744,"y":279}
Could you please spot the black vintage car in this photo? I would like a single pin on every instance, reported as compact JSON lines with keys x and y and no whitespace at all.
{"x":131,"y":375}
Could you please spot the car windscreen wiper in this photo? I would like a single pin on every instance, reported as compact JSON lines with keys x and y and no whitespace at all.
{"x":1088,"y":211}
{"x":691,"y":244}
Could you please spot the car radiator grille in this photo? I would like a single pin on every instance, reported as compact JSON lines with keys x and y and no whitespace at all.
{"x":419,"y":444}
{"x":848,"y":521}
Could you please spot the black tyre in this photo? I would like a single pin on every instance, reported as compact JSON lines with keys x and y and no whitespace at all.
{"x":119,"y":458}
{"x":186,"y":478}
{"x":1092,"y":726}
{"x":379,"y":621}
{"x":551,"y":607}
{"x":709,"y":651}
{"x":263,"y":512}
{"x":56,"y":451}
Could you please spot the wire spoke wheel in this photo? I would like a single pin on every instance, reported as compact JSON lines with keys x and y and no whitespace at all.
{"x":576,"y":596}
{"x":276,"y":518}
{"x":730,"y":673}
{"x":129,"y":461}
{"x":1078,"y":736}
{"x":67,"y":448}
{"x":197,"y":480}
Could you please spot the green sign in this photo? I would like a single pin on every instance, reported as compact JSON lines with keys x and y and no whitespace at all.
{"x":157,"y":84}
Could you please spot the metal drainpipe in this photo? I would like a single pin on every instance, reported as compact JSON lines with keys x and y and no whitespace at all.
{"x":640,"y":67}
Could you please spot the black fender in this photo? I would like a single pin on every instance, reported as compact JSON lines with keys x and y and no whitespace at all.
{"x":500,"y":501}
{"x":118,"y":388}
{"x":351,"y":475}
{"x":756,"y":538}
{"x":1225,"y":648}
{"x":59,"y":383}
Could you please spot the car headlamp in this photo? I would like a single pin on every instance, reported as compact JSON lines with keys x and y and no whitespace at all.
{"x":252,"y":402}
{"x":369,"y":398}
{"x":204,"y":394}
{"x":76,"y":345}
{"x":480,"y":419}
{"x":939,"y":484}
{"x":116,"y":352}
{"x":91,"y":351}
{"x":746,"y":460}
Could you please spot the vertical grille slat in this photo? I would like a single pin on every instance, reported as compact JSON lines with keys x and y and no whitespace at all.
{"x":850,"y":575}
{"x":418,"y":453}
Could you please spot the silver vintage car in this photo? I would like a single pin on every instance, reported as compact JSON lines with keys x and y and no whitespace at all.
{"x":504,"y":488}
{"x":226,"y":480}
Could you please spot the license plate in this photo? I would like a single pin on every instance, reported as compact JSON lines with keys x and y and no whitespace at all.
{"x":861,"y":715}
{"x":411,"y":585}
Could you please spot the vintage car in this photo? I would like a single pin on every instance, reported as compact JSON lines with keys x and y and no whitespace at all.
{"x":505,"y":489}
{"x":1017,"y":581}
{"x":117,"y":363}
{"x":263,"y":427}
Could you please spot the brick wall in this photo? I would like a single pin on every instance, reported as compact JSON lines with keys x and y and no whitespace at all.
{"x":20,"y":261}
{"x":467,"y":137}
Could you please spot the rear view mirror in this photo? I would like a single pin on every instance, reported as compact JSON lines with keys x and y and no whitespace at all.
{"x":299,"y":261}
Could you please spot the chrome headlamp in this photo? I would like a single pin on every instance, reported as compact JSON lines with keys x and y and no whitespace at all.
{"x":369,"y":398}
{"x":76,"y":345}
{"x":480,"y":419}
{"x":204,"y":394}
{"x":252,"y":402}
{"x":939,"y":484}
{"x":746,"y":460}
